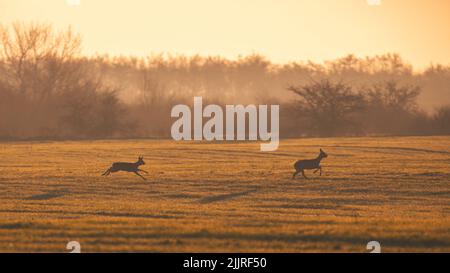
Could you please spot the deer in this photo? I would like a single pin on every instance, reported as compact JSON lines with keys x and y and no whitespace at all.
{"x":309,"y":164}
{"x":127,"y":167}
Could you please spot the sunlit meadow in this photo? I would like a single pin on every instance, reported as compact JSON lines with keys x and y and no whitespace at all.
{"x":215,"y":197}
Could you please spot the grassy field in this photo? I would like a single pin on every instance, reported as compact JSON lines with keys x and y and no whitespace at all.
{"x":207,"y":197}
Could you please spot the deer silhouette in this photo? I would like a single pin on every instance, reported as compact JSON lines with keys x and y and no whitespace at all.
{"x":309,"y":164}
{"x":127,"y":167}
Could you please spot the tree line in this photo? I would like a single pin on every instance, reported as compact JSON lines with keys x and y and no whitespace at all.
{"x":50,"y":90}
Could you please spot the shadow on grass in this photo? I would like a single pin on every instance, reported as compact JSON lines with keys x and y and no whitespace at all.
{"x":225,"y":197}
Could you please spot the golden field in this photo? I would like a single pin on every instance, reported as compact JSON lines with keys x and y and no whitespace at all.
{"x":226,"y":197}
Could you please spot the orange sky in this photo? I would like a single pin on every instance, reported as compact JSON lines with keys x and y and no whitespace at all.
{"x":283,"y":30}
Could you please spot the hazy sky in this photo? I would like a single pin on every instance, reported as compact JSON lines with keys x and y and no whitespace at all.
{"x":283,"y":30}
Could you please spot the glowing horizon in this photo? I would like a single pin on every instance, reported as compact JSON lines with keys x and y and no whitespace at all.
{"x":283,"y":31}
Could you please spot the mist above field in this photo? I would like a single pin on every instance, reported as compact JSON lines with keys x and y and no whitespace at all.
{"x":48,"y":89}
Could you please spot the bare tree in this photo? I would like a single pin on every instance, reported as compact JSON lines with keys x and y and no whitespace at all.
{"x":391,"y":108}
{"x":390,"y":95}
{"x":329,"y":107}
{"x":37,"y":60}
{"x":57,"y":94}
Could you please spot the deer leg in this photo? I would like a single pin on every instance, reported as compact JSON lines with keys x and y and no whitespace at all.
{"x":303,"y":173}
{"x":139,"y":175}
{"x":107,"y":172}
{"x":142,"y":171}
{"x":319,"y":169}
{"x":296,"y":172}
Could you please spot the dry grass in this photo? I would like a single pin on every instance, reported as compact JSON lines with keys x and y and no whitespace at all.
{"x":226,"y":197}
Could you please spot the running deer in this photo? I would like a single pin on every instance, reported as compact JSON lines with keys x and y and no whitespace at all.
{"x":309,"y":164}
{"x":127,"y":167}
